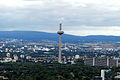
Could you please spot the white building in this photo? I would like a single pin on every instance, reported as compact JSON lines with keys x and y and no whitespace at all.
{"x":106,"y":74}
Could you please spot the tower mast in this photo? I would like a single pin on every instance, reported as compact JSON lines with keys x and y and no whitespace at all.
{"x":60,"y":32}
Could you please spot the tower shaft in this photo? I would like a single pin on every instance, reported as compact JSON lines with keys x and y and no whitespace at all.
{"x":60,"y":51}
{"x":60,"y":32}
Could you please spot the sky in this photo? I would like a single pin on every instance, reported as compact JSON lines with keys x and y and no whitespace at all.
{"x":79,"y":17}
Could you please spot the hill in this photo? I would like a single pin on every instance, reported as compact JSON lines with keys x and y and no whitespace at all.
{"x":39,"y":36}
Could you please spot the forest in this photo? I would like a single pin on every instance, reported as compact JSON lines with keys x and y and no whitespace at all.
{"x":55,"y":71}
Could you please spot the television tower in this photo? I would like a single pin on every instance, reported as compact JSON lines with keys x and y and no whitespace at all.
{"x":60,"y":32}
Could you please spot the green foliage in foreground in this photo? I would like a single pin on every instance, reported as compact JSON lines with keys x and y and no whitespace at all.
{"x":39,"y":71}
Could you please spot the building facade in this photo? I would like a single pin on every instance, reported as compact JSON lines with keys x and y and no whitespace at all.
{"x":101,"y":61}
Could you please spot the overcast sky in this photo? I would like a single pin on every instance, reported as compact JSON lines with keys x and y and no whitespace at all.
{"x":80,"y":17}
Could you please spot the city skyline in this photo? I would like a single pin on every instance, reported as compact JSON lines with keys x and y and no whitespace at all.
{"x":88,"y":17}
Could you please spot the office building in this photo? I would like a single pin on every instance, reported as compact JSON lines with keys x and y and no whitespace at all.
{"x":101,"y":61}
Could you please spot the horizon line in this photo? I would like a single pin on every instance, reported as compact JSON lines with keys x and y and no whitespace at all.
{"x":56,"y":33}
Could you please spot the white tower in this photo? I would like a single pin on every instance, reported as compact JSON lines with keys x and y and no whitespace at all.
{"x":60,"y":32}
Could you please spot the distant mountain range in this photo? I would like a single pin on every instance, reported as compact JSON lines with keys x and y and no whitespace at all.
{"x":39,"y":36}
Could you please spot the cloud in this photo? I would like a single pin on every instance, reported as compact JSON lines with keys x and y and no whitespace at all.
{"x":43,"y":15}
{"x":93,"y":30}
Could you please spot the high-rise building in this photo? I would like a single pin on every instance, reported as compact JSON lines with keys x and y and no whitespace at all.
{"x":106,"y":75}
{"x":101,"y":61}
{"x":60,"y":32}
{"x":89,"y":61}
